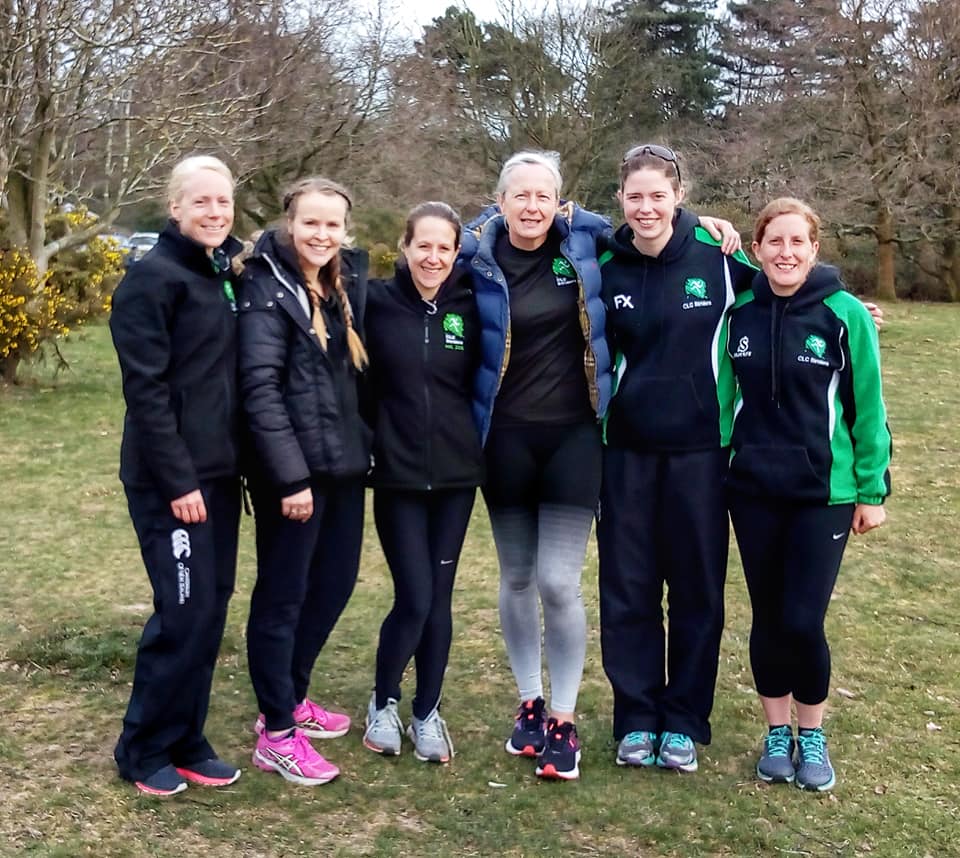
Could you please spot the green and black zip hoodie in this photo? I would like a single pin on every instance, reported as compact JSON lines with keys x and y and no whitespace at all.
{"x":810,"y":424}
{"x":666,"y":327}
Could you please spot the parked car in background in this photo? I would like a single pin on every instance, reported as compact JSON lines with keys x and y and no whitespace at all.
{"x":138,"y":244}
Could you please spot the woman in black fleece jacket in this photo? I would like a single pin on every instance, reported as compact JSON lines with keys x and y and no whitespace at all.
{"x":424,"y":337}
{"x":301,"y":311}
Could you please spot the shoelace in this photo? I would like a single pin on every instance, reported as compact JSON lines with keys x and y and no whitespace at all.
{"x":390,"y":715}
{"x":638,"y":736}
{"x":778,"y":743}
{"x":434,"y":727}
{"x":812,"y":747}
{"x":676,"y":740}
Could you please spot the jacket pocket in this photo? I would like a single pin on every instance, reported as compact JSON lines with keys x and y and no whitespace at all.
{"x":207,"y":426}
{"x":777,"y":471}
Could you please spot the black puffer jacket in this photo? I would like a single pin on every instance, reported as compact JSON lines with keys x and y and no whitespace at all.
{"x":175,"y":333}
{"x":301,"y":402}
{"x":423,"y":361}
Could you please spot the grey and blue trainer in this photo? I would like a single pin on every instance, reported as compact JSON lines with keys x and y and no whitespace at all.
{"x":384,"y":729}
{"x":776,"y":762}
{"x":814,"y":771}
{"x":638,"y":748}
{"x":431,"y":739}
{"x":677,"y":751}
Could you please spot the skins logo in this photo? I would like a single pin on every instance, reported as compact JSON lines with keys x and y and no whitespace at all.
{"x":816,"y":345}
{"x":695,"y":288}
{"x":743,"y":348}
{"x":453,"y":332}
{"x":563,"y":272}
{"x":180,"y":542}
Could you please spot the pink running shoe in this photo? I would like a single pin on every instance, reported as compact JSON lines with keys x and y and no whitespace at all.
{"x":294,"y":759}
{"x":313,"y":721}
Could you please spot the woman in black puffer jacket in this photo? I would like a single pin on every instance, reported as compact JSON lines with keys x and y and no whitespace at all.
{"x":301,"y":353}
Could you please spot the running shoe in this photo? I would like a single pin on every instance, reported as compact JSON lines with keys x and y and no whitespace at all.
{"x":527,"y":739}
{"x":776,"y":762}
{"x":677,"y":751}
{"x":313,"y":720}
{"x":561,"y":753}
{"x":431,"y":739}
{"x":384,"y":729}
{"x":163,"y":782}
{"x":293,"y":758}
{"x":814,"y":771}
{"x":212,"y":772}
{"x":637,"y":749}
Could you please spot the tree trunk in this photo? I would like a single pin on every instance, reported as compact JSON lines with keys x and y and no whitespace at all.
{"x":8,"y":369}
{"x":886,"y":271}
{"x":951,"y":252}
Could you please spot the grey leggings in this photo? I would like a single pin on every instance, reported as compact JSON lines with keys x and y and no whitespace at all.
{"x":541,"y":550}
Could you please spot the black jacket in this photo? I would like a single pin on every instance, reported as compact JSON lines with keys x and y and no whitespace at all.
{"x":301,"y":402}
{"x":666,"y":327}
{"x":174,"y":329}
{"x":810,"y":420}
{"x":423,"y":362}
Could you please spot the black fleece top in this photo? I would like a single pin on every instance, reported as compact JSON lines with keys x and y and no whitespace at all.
{"x":423,"y":360}
{"x":174,"y":328}
{"x":666,"y":326}
{"x":301,"y":402}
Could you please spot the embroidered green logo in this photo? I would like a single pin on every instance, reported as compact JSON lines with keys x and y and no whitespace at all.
{"x":815,"y":344}
{"x":562,"y":267}
{"x":453,"y":324}
{"x":695,"y":287}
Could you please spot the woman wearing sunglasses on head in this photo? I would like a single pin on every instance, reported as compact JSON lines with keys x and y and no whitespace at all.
{"x":809,"y":463}
{"x":543,"y":381}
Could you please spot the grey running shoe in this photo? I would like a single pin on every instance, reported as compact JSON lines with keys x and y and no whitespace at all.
{"x":814,"y":771}
{"x":384,"y":729}
{"x":637,"y":749}
{"x":677,"y":751}
{"x":776,"y":762}
{"x":431,"y":739}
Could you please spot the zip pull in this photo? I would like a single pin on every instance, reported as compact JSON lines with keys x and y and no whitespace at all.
{"x":431,"y":306}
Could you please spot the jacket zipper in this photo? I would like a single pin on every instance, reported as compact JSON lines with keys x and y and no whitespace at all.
{"x":777,"y":318}
{"x":430,"y":311}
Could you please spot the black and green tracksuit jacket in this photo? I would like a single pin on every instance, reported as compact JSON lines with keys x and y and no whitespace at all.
{"x":810,"y":423}
{"x":666,"y":327}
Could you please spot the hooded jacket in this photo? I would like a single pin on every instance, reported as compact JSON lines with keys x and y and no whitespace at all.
{"x":423,"y":360}
{"x":666,"y":325}
{"x":579,"y":231}
{"x":810,"y":420}
{"x":174,"y":328}
{"x":301,"y":402}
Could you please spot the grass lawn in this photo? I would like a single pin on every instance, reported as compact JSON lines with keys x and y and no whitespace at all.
{"x":73,"y":598}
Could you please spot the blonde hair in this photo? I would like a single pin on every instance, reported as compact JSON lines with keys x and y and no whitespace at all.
{"x":782,"y":206}
{"x":330,"y":273}
{"x":550,"y":161}
{"x":188,"y":167}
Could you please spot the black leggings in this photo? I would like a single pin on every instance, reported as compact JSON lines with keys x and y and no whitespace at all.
{"x":306,"y":571}
{"x":421,"y":534}
{"x":791,"y":555}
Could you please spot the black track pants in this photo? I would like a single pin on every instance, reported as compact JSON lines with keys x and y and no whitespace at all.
{"x":662,"y":520}
{"x":421,"y":534}
{"x":306,"y":572}
{"x":192,"y":568}
{"x":791,"y":555}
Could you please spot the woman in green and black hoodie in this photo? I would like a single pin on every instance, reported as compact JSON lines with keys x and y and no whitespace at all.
{"x":809,"y":464}
{"x":424,"y":339}
{"x":668,"y":288}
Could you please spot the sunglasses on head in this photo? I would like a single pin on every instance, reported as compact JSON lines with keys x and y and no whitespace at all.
{"x":664,"y":152}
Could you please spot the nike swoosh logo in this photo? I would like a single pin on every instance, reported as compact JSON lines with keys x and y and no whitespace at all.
{"x":445,"y":562}
{"x":837,"y":536}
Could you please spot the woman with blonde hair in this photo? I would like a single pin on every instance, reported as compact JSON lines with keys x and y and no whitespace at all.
{"x":301,"y":354}
{"x":174,"y":328}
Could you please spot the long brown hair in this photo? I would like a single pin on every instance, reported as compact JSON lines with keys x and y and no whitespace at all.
{"x":330,"y":274}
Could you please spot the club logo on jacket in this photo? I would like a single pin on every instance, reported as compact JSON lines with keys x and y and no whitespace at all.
{"x":563,"y":272}
{"x":695,"y":293}
{"x":453,"y":332}
{"x":816,"y":346}
{"x":743,"y":348}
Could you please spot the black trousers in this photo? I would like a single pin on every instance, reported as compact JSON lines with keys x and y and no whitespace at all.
{"x":306,"y":572}
{"x":662,"y":520}
{"x":421,"y":534}
{"x":791,"y":555}
{"x":192,"y":568}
